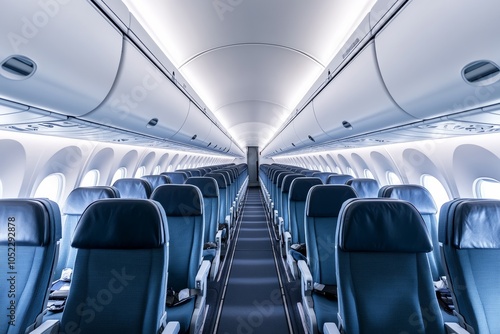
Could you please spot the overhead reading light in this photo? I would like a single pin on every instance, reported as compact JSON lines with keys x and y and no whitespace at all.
{"x":311,"y":138}
{"x":209,"y":144}
{"x":481,"y":73}
{"x":152,"y":123}
{"x":347,"y":125}
{"x":293,"y":144}
{"x":194,"y":137}
{"x":18,"y":67}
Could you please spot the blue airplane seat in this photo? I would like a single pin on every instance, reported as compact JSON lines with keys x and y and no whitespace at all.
{"x":422,"y":199}
{"x":176,"y":177}
{"x":213,"y":236}
{"x":295,"y":237}
{"x":119,"y":281}
{"x":156,"y":180}
{"x":365,"y":188}
{"x":29,"y":238}
{"x":187,"y":273}
{"x":338,"y":178}
{"x":224,"y":217}
{"x":383,"y":275}
{"x":133,"y":188}
{"x":310,"y":172}
{"x":283,"y":220}
{"x":319,"y":281}
{"x":470,"y":235}
{"x":323,"y":176}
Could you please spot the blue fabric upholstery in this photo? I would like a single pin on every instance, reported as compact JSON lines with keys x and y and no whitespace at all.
{"x":421,"y":198}
{"x":471,"y":248}
{"x":322,"y":210}
{"x":296,"y":206}
{"x":156,"y":180}
{"x":186,"y":229}
{"x":210,"y":192}
{"x":133,"y":188}
{"x":29,"y":232}
{"x":323,"y":176}
{"x":365,"y":188}
{"x":338,"y":179}
{"x":78,"y":200}
{"x":223,"y":201}
{"x":119,"y":281}
{"x":383,"y":274}
{"x":285,"y":193}
{"x":176,"y":177}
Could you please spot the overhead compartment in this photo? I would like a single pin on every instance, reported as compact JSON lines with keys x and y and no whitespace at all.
{"x":307,"y":128}
{"x":356,"y":100}
{"x":61,"y":56}
{"x":195,"y":129}
{"x":441,"y":57}
{"x":218,"y":141}
{"x":142,"y":99}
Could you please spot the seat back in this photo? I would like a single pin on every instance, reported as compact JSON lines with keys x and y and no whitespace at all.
{"x":119,"y":281}
{"x":285,"y":194}
{"x":133,"y":188}
{"x":223,"y":201}
{"x":383,"y":274}
{"x":176,"y":177}
{"x":365,"y":188}
{"x":310,"y":172}
{"x":338,"y":178}
{"x":183,"y":204}
{"x":323,"y":205}
{"x":76,"y":203}
{"x":29,"y":238}
{"x":297,"y":204}
{"x":422,"y":199}
{"x":469,"y":232}
{"x":210,"y":192}
{"x":323,"y":176}
{"x":156,"y":180}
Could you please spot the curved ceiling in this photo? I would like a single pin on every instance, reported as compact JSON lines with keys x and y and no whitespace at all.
{"x":250,"y":61}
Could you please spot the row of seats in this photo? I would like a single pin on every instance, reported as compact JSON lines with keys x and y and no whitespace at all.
{"x":182,"y":216}
{"x":317,"y":210}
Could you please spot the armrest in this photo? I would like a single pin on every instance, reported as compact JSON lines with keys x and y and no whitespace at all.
{"x":173,"y":327}
{"x":330,"y":328}
{"x":454,"y":328}
{"x":280,"y":227}
{"x":218,"y":239}
{"x":275,"y":217}
{"x":306,"y":277}
{"x":47,"y":327}
{"x":288,"y":242}
{"x":201,"y":277}
{"x":227,"y":220}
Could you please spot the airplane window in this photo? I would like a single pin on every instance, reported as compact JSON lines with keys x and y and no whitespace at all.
{"x":90,"y":179}
{"x":328,"y":169}
{"x":392,"y":178}
{"x":119,"y":174}
{"x":1,"y":189}
{"x":351,"y":172}
{"x":487,"y":188}
{"x":169,"y":169}
{"x":436,"y":189}
{"x":321,"y":168}
{"x":51,"y":187}
{"x":140,"y":172}
{"x":338,"y":170}
{"x":368,"y":174}
{"x":157,"y":170}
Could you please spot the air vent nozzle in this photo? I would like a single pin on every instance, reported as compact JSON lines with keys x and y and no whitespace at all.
{"x":311,"y":138}
{"x":347,"y":125}
{"x":152,"y":122}
{"x":18,"y":67}
{"x":481,"y":73}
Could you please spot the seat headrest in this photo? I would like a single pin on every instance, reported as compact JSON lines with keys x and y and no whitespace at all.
{"x":176,"y":177}
{"x":133,"y":188}
{"x":417,"y":195}
{"x":281,"y":177}
{"x":338,"y":179}
{"x":156,"y":180}
{"x":287,"y":181}
{"x":219,"y":178}
{"x":300,"y":187}
{"x":365,"y":187}
{"x":28,"y":222}
{"x":382,"y":225}
{"x":207,"y":185}
{"x":326,"y":200}
{"x":476,"y":224}
{"x":80,"y":198}
{"x":179,"y":200}
{"x":121,"y":223}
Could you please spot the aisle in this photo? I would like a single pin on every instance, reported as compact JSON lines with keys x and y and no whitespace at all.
{"x":253,"y":301}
